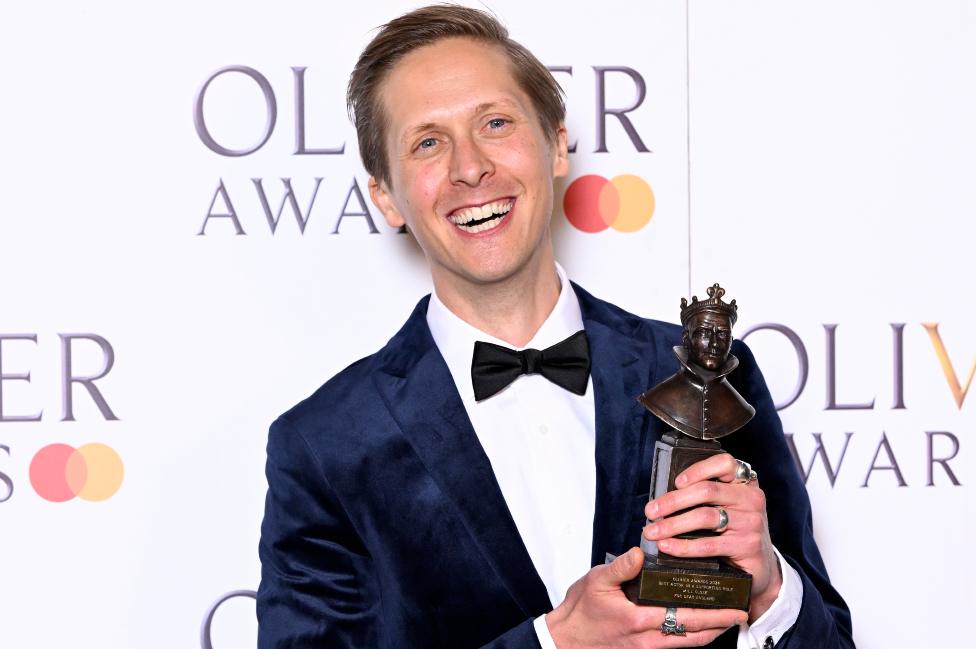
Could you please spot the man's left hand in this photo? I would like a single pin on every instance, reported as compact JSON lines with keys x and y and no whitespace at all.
{"x":745,"y":542}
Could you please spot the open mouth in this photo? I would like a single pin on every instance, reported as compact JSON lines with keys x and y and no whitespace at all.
{"x":482,"y":217}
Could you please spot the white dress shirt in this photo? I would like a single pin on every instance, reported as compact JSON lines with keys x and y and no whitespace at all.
{"x":541,"y":442}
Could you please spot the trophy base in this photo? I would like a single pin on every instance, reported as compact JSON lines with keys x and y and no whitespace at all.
{"x":669,"y":585}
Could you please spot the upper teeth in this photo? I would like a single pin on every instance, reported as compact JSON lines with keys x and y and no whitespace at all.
{"x":469,"y":214}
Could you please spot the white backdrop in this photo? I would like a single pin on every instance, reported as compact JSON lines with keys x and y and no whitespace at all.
{"x":813,"y":157}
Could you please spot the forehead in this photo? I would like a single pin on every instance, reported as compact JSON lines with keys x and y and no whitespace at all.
{"x":709,"y":319}
{"x":448,"y":79}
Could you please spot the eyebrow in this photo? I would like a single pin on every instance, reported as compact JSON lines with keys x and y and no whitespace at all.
{"x":480,"y":108}
{"x":417,"y":130}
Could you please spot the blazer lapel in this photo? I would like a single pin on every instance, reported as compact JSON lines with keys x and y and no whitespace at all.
{"x":419,"y":392}
{"x":622,"y":369}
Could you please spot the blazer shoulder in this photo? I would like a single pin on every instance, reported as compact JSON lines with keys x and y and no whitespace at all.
{"x":347,"y":392}
{"x":647,"y":330}
{"x":350,"y":396}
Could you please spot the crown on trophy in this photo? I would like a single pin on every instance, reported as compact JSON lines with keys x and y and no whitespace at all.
{"x":713,"y":303}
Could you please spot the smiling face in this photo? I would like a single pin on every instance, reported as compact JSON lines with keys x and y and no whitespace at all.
{"x":471,"y":170}
{"x":708,"y":338}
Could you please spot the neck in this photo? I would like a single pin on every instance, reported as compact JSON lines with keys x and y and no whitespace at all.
{"x":511,"y":309}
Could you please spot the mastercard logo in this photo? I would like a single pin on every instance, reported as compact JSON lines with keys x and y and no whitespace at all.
{"x":592,"y":203}
{"x":91,"y":472}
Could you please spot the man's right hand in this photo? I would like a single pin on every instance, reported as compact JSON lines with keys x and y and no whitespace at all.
{"x":596,"y":613}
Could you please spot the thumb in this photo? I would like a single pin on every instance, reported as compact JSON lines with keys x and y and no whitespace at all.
{"x":625,"y":567}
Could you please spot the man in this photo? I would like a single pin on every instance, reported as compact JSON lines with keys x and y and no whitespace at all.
{"x":412,"y":503}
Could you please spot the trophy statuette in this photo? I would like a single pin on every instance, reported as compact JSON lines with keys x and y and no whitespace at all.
{"x":700,"y":406}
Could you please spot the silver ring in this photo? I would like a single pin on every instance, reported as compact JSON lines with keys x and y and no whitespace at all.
{"x":723,"y":520}
{"x":744,"y":473}
{"x":670,"y":625}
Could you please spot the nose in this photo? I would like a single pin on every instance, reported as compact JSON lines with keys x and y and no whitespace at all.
{"x":469,"y":163}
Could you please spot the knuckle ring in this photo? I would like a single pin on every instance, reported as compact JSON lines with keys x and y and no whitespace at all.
{"x":670,"y":625}
{"x":744,"y":473}
{"x":723,"y":520}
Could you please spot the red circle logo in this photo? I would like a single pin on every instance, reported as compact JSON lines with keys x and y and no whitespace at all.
{"x":625,"y":203}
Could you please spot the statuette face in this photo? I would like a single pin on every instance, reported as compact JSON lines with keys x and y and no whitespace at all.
{"x":708,"y":338}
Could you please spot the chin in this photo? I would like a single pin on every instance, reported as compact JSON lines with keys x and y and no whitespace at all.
{"x":488,"y":274}
{"x":708,"y":363}
{"x":497,"y":270}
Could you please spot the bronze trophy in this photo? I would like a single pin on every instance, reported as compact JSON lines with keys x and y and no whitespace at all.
{"x":700,"y":406}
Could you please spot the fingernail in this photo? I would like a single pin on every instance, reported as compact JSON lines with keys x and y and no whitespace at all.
{"x":649,"y":532}
{"x":651,"y":509}
{"x":681,"y":480}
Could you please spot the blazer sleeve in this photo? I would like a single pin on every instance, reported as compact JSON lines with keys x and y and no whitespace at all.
{"x":824,"y":621}
{"x":318,"y":582}
{"x":522,"y":636}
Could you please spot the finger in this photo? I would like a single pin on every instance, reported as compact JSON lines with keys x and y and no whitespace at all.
{"x":737,"y":545}
{"x":717,"y":467}
{"x":699,"y":518}
{"x":623,"y":568}
{"x":692,"y":639}
{"x":696,"y":620}
{"x":700,"y":493}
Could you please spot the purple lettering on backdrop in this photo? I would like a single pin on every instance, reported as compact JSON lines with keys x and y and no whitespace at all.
{"x":831,"y":371}
{"x":801,"y":357}
{"x":271,"y":106}
{"x":620,"y":113}
{"x":364,"y":209}
{"x":26,"y":377}
{"x":88,"y":382}
{"x":5,"y":479}
{"x":567,"y":69}
{"x":231,"y":213}
{"x":944,"y":461}
{"x":300,"y":148}
{"x":288,"y":198}
{"x":898,"y":361}
{"x":205,"y":641}
{"x":821,"y":452}
{"x":892,"y":466}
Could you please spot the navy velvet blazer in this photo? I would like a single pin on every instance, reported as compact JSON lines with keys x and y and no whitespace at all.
{"x":384,"y":526}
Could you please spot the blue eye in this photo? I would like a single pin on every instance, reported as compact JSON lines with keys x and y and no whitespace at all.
{"x":426,"y":143}
{"x":497,"y":122}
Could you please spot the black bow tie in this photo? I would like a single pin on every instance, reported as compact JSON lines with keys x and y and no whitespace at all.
{"x":567,"y":364}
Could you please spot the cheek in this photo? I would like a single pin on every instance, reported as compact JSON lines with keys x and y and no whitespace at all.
{"x":421,"y":193}
{"x":523,"y":156}
{"x":426,"y":185}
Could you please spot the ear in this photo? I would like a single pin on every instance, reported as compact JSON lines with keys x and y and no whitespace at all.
{"x":384,"y":201}
{"x":560,"y":157}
